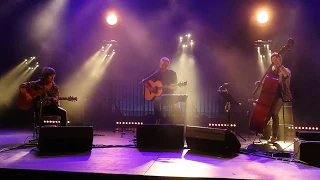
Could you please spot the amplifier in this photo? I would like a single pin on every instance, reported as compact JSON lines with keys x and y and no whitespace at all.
{"x":308,"y":135}
{"x":307,"y":151}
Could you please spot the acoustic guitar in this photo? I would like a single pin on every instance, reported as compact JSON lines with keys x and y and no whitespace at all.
{"x":38,"y":97}
{"x":149,"y":94}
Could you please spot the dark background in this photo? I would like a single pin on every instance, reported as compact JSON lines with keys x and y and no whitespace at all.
{"x":224,"y":32}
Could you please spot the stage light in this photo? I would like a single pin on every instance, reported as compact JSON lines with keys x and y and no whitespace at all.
{"x":303,"y":128}
{"x":112,"y":19}
{"x":186,"y":41}
{"x":129,"y":123}
{"x":262,"y":17}
{"x":222,"y":125}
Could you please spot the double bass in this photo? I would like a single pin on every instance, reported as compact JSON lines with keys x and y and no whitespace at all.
{"x":267,"y":96}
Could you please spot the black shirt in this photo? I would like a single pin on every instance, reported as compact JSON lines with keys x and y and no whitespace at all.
{"x":166,"y":77}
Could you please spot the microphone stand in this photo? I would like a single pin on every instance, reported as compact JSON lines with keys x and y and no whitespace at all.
{"x":230,"y":100}
{"x":39,"y":122}
{"x":147,"y":78}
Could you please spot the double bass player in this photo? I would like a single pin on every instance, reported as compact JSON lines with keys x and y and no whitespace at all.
{"x":282,"y":93}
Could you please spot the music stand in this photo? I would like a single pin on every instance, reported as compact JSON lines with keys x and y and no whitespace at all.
{"x":230,"y":101}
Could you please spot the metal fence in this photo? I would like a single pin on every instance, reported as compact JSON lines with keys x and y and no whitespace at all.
{"x":128,"y":97}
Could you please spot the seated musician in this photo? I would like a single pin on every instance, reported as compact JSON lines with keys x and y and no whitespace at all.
{"x":167,"y":77}
{"x":283,"y":93}
{"x":48,"y":88}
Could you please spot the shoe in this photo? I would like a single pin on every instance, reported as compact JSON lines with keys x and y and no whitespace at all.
{"x":272,"y":140}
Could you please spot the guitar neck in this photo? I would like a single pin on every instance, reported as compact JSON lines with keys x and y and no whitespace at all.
{"x":166,"y":86}
{"x":63,"y":98}
{"x":60,"y":98}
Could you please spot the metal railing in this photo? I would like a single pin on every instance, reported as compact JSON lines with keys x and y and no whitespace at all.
{"x":128,"y":97}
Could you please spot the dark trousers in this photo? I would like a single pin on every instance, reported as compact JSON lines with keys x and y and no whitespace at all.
{"x":275,"y":109}
{"x":157,"y":107}
{"x":52,"y":110}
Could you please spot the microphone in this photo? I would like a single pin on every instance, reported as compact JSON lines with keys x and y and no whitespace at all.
{"x":290,"y":42}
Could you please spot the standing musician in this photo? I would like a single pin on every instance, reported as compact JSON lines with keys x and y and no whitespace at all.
{"x":167,"y":77}
{"x":46,"y":84}
{"x":283,"y":93}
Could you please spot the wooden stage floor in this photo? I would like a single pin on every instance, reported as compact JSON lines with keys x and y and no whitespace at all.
{"x":115,"y":155}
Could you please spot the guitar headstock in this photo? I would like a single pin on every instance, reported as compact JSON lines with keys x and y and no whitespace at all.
{"x":182,"y":83}
{"x":71,"y":98}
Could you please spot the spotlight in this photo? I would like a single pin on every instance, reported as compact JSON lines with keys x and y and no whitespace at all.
{"x":109,"y":43}
{"x":186,"y":41}
{"x":262,"y":17}
{"x":112,"y":19}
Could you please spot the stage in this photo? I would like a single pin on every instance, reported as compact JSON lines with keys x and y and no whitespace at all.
{"x":114,"y":155}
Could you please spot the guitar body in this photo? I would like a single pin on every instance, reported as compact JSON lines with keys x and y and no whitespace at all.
{"x":150,"y":95}
{"x":262,"y":108}
{"x":23,"y":103}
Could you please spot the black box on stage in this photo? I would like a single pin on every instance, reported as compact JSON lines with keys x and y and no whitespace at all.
{"x":164,"y":136}
{"x":307,"y":151}
{"x":65,"y":139}
{"x":308,"y":135}
{"x":211,"y":140}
